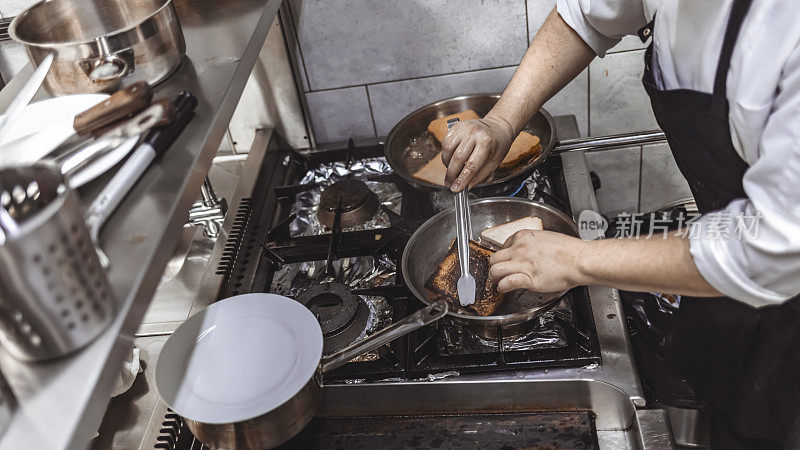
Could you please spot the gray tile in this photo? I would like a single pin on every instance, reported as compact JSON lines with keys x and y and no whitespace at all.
{"x":573,"y":99}
{"x":538,"y":10}
{"x":393,"y":101}
{"x":662,"y":182}
{"x":340,"y":114}
{"x":617,"y":100}
{"x":291,"y":31}
{"x":618,"y":170}
{"x":349,"y":42}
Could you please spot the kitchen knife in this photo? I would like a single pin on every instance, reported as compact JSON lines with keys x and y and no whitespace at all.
{"x":120,"y":105}
{"x":158,"y":114}
{"x":155,"y":144}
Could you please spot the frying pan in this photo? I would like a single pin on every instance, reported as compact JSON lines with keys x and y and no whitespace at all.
{"x":246,"y":372}
{"x":428,"y":245}
{"x":406,"y":159}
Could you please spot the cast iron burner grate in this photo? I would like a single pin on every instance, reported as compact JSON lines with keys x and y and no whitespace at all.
{"x":418,"y":355}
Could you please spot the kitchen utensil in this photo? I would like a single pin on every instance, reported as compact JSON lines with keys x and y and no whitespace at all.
{"x":155,"y":144}
{"x":100,"y":45}
{"x":54,"y":295}
{"x":405,"y":160}
{"x":24,"y":96}
{"x":466,"y":282}
{"x":126,"y":133}
{"x":123,"y":103}
{"x":51,"y":118}
{"x":105,"y":115}
{"x":429,"y":244}
{"x":247,"y":371}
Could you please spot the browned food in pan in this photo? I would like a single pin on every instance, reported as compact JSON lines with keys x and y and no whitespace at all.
{"x":443,"y":282}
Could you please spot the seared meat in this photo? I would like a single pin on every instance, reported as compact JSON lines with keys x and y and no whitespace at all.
{"x":443,"y":282}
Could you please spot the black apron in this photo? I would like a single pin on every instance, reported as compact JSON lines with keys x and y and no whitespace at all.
{"x":745,"y":362}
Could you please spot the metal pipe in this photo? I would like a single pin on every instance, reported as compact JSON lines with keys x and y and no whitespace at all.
{"x":598,"y":143}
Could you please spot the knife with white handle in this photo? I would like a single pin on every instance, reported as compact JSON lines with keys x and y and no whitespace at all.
{"x":24,"y":96}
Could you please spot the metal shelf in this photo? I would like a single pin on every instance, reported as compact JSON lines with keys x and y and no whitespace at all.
{"x":61,"y":403}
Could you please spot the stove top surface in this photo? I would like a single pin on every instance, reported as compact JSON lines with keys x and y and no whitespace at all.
{"x":347,"y":271}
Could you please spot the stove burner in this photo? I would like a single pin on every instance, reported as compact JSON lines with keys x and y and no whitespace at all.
{"x":342,"y":315}
{"x":358,"y":205}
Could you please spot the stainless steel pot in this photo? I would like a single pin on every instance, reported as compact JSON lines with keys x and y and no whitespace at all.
{"x":100,"y":45}
{"x":274,"y":425}
{"x":406,"y":160}
{"x":429,"y":244}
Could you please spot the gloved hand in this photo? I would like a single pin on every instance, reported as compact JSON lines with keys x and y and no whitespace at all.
{"x":473,"y":149}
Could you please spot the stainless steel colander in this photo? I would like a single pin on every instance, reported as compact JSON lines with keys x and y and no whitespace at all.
{"x":54,"y":294}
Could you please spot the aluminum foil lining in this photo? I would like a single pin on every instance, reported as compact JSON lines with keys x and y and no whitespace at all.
{"x":532,"y":185}
{"x":370,"y":271}
{"x":307,"y":202}
{"x":547,"y":333}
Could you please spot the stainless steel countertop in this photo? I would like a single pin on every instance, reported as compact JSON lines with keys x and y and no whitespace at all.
{"x":61,"y":403}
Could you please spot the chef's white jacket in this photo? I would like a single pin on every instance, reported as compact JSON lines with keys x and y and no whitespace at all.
{"x":761,"y":267}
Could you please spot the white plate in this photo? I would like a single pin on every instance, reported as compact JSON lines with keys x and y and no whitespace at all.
{"x":239,"y":358}
{"x":52,"y":112}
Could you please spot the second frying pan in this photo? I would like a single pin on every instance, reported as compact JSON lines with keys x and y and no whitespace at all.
{"x":429,"y":244}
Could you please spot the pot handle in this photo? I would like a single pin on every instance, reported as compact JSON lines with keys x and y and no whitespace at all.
{"x":419,"y":319}
{"x":108,"y":66}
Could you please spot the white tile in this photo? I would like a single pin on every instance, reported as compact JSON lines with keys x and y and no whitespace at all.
{"x":12,"y":59}
{"x":618,"y":170}
{"x":618,"y":102}
{"x":11,"y":8}
{"x":340,"y":114}
{"x":393,"y":101}
{"x":350,"y":42}
{"x":662,"y":182}
{"x":574,"y":100}
{"x":270,"y":98}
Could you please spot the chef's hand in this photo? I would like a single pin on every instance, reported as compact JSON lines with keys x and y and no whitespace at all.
{"x":473,"y":149}
{"x":541,"y":261}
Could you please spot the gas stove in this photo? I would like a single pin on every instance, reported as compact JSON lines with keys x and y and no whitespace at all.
{"x":328,"y":228}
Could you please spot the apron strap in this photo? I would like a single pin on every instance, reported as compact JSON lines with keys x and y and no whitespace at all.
{"x":738,"y":13}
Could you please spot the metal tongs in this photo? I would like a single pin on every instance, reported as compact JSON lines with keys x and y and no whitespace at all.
{"x":466,"y":282}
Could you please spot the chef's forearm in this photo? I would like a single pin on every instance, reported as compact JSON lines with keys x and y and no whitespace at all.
{"x":647,"y":265}
{"x":556,"y":56}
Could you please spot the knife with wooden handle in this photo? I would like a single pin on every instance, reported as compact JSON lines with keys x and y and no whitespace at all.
{"x":119,"y":105}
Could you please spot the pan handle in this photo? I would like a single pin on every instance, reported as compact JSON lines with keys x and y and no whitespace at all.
{"x":419,"y":319}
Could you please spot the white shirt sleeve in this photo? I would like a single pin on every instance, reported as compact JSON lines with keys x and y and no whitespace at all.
{"x":761,"y":267}
{"x":603,"y":23}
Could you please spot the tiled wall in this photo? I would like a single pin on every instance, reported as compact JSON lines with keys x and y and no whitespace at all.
{"x":366,"y":64}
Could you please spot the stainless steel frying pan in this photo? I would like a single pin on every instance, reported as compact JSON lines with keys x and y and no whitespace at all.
{"x":406,"y":157}
{"x":429,"y":244}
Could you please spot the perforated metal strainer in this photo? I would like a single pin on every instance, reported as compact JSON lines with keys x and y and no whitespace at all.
{"x":54,"y":294}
